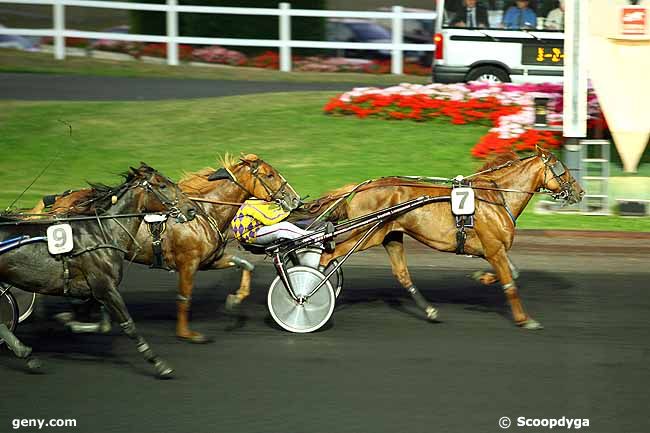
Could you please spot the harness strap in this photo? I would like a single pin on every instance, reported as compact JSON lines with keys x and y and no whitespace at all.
{"x":461,"y":235}
{"x":66,"y":275}
{"x":156,"y":229}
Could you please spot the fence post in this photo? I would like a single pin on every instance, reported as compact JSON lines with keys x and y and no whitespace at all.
{"x":58,"y":13}
{"x":285,"y":37}
{"x":172,"y":33}
{"x":396,"y":56}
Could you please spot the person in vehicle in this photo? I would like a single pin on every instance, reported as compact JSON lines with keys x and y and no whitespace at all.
{"x":520,"y":16}
{"x":471,"y":15}
{"x":261,"y":222}
{"x":555,"y":18}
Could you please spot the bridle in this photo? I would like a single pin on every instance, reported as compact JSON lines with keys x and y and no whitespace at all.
{"x":557,"y":169}
{"x":171,"y":205}
{"x":272,"y":196}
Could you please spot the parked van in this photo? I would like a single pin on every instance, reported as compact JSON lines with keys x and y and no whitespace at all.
{"x":497,"y":41}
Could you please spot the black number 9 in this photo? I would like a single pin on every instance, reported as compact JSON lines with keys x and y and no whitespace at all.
{"x":60,"y":237}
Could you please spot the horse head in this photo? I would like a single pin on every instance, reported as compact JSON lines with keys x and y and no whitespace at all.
{"x":161,"y":194}
{"x":558,"y":179}
{"x":260,"y":180}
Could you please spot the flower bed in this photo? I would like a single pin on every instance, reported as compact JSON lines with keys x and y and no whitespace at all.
{"x":508,"y":108}
{"x":219,"y":55}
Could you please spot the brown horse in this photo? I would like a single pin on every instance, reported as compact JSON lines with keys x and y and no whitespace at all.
{"x":503,"y":189}
{"x":200,"y":244}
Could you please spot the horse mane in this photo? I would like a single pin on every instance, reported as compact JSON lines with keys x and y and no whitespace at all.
{"x":499,"y":159}
{"x":198,"y":181}
{"x":98,"y":200}
{"x":230,"y":161}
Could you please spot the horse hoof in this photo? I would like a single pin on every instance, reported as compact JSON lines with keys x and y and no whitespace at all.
{"x":232,"y":302}
{"x":432,"y":313}
{"x":77,"y":327}
{"x":531,"y":324}
{"x":23,"y":351}
{"x":64,"y":317}
{"x":194,"y":338}
{"x":476,"y":276}
{"x":104,"y":327}
{"x":34,"y":364}
{"x":163,"y":370}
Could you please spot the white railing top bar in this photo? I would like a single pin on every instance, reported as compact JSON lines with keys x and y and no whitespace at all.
{"x":359,"y":14}
{"x":95,"y":4}
{"x":227,"y":10}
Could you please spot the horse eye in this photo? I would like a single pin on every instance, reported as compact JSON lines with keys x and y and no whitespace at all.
{"x":163,"y":186}
{"x":270,"y":176}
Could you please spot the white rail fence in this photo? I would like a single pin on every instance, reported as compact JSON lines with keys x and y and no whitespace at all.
{"x":172,"y":39}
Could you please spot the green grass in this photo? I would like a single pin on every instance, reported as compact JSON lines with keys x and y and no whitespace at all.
{"x":314,"y":151}
{"x":19,"y":61}
{"x":530,"y":220}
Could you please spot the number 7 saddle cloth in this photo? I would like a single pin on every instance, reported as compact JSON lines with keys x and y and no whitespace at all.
{"x":252,"y":215}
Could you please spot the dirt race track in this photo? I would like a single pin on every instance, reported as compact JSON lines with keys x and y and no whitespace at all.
{"x":378,"y":366}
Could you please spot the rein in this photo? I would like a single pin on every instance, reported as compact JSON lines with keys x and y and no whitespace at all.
{"x":205,"y":200}
{"x":67,"y":219}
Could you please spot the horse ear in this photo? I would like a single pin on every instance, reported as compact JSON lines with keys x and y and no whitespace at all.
{"x":540,"y":151}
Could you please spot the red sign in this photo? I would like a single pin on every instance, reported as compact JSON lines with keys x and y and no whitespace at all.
{"x":634,"y":20}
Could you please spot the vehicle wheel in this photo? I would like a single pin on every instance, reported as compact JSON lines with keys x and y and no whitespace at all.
{"x":24,"y":300}
{"x":490,"y":74}
{"x":298,"y":317}
{"x":8,"y":312}
{"x":336,"y":280}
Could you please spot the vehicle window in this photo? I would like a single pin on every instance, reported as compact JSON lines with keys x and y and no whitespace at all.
{"x":339,"y":32}
{"x":345,"y":33}
{"x":501,"y":14}
{"x":416,"y":27}
{"x":369,"y":31}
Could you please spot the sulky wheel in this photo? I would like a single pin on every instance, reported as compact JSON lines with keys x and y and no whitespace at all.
{"x":25,"y":302}
{"x":8,"y":311}
{"x":336,"y":280}
{"x":310,"y":314}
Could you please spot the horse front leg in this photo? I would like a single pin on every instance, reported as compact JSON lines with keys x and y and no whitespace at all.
{"x":501,"y":265}
{"x":487,"y":278}
{"x":114,"y":302}
{"x":394,"y":245}
{"x":183,"y":304}
{"x":18,"y":348}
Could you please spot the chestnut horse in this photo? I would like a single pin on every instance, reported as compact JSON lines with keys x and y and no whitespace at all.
{"x":200,"y":244}
{"x":503,"y":189}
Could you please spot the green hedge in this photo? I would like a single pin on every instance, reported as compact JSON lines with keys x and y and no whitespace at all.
{"x":148,"y":22}
{"x":234,"y":26}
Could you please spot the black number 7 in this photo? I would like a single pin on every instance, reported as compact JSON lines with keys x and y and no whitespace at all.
{"x":464,"y":195}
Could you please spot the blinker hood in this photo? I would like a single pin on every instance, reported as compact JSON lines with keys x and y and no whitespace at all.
{"x":220,"y":174}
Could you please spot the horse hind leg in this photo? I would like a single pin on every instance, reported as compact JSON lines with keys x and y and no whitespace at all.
{"x":116,"y":306}
{"x":502,"y":266}
{"x":394,"y":245}
{"x":18,"y":348}
{"x":233,"y":300}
